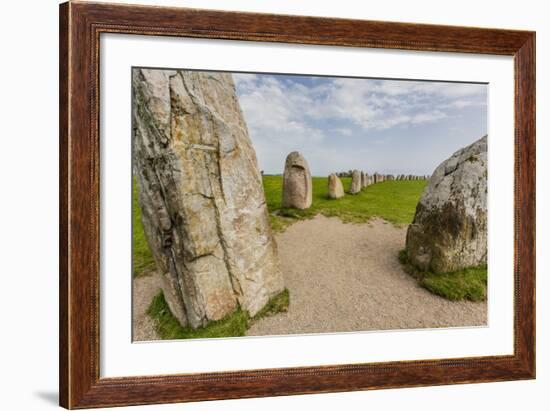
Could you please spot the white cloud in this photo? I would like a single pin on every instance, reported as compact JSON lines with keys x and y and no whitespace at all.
{"x":285,"y":114}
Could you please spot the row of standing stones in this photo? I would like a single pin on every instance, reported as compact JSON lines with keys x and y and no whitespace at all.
{"x":449,"y":229}
{"x":298,"y":187}
{"x":203,"y":205}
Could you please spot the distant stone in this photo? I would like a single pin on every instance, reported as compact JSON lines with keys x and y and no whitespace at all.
{"x":297,"y":185}
{"x":449,"y":231}
{"x":365,"y":182}
{"x":335,"y":187}
{"x":355,"y":182}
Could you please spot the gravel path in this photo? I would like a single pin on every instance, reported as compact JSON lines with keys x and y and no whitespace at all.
{"x":346,"y":277}
{"x":145,"y":287}
{"x":341,"y":277}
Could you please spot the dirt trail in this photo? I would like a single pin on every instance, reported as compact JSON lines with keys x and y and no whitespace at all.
{"x":341,"y":277}
{"x":346,"y":277}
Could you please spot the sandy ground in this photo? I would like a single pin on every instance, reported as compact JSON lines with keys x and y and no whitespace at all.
{"x":144,"y":289}
{"x":346,"y":277}
{"x":341,"y":277}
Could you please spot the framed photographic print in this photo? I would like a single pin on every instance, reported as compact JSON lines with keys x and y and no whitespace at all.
{"x":258,"y":205}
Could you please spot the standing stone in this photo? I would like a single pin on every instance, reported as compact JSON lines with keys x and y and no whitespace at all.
{"x":297,"y":184}
{"x":201,"y":196}
{"x":335,"y":187}
{"x":362,"y":179}
{"x":449,"y":231}
{"x":365,"y":180}
{"x":355,"y":182}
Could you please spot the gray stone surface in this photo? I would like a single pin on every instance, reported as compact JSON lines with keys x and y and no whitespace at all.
{"x":297,"y":184}
{"x":449,"y":231}
{"x":365,"y":180}
{"x":201,"y":195}
{"x":335,"y":187}
{"x":355,"y":182}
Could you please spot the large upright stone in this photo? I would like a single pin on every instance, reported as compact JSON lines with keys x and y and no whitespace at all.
{"x":297,"y":184}
{"x":356,"y":182}
{"x":449,"y":231}
{"x":335,"y":187}
{"x":201,"y":196}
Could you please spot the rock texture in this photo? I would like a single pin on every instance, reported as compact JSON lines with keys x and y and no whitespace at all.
{"x":365,"y":180}
{"x":201,"y":196}
{"x":356,"y":182}
{"x":297,"y":184}
{"x":335,"y":187}
{"x":449,"y":231}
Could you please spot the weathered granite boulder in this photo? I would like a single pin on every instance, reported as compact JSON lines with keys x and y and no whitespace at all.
{"x":297,"y":184}
{"x":355,"y":182}
{"x":449,"y":231}
{"x":335,"y":187}
{"x":201,"y":196}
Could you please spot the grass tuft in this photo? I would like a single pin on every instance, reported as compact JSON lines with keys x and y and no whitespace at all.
{"x":277,"y":304}
{"x":233,"y":325}
{"x":279,"y":223}
{"x":467,"y":284}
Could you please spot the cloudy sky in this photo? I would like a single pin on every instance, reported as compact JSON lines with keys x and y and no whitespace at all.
{"x":389,"y":126}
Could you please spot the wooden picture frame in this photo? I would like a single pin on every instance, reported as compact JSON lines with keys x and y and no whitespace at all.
{"x":80,"y":27}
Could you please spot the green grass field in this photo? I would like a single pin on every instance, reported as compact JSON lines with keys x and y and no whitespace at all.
{"x":393,"y":201}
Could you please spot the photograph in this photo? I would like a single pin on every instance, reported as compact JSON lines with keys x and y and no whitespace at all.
{"x":272,"y":204}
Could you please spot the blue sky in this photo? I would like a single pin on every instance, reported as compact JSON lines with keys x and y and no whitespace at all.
{"x":389,"y":126}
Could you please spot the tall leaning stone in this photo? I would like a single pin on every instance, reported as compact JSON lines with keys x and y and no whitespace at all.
{"x":335,"y":187}
{"x":449,"y":231}
{"x":297,"y":184}
{"x":201,"y":197}
{"x":356,"y":182}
